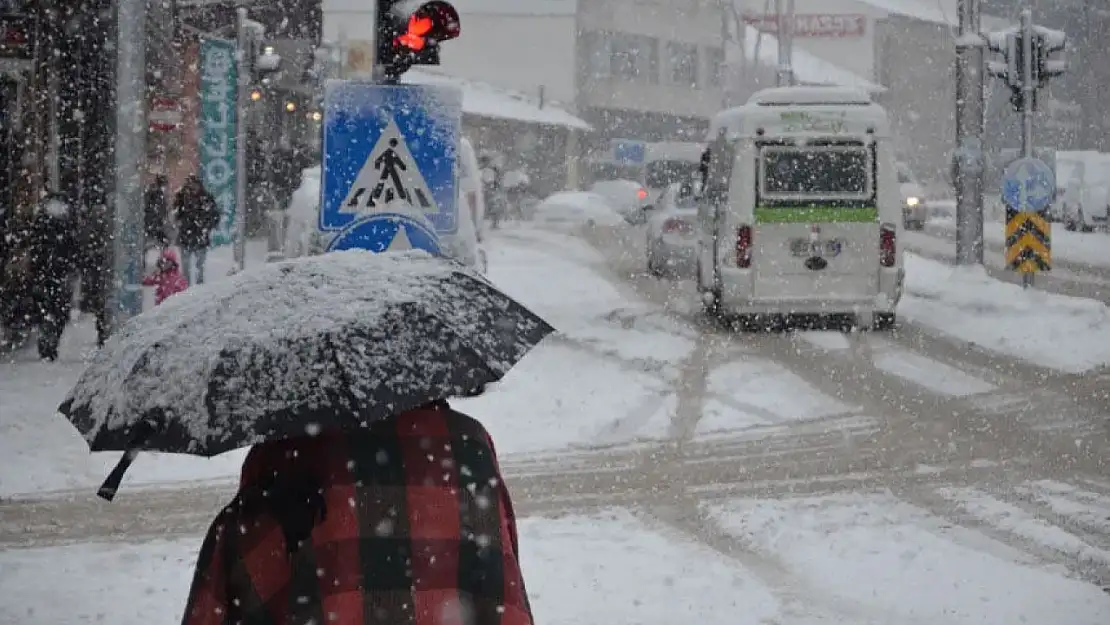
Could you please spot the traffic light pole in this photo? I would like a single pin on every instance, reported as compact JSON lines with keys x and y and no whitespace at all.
{"x":1027,"y":88}
{"x":969,"y":159}
{"x":784,"y":12}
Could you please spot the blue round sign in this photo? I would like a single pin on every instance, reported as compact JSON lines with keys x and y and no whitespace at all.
{"x":1028,"y":185}
{"x":387,"y":232}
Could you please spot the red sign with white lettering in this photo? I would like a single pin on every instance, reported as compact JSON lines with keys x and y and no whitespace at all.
{"x":814,"y":24}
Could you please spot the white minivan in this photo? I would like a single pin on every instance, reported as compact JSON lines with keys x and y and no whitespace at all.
{"x":801,"y":210}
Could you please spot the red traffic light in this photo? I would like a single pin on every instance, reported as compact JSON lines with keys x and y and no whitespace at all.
{"x":428,"y":23}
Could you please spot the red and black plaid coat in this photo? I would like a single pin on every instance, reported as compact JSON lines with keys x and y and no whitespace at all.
{"x":414,"y":526}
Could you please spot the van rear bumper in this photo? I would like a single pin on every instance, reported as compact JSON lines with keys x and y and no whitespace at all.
{"x":738,"y":297}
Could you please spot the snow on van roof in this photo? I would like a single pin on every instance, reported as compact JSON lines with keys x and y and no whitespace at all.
{"x":744,"y":119}
{"x":810,"y":95}
{"x":808,"y":68}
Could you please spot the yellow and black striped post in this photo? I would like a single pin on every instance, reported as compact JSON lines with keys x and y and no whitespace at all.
{"x":1028,"y":242}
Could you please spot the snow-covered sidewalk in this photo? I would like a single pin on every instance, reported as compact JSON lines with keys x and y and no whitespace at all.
{"x":1065,"y":333}
{"x":1085,"y":248}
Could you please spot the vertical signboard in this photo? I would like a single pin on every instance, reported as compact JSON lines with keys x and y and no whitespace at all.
{"x":216,"y":139}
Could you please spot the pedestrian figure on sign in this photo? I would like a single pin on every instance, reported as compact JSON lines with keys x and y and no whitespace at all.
{"x":391,"y":167}
{"x":197,"y":216}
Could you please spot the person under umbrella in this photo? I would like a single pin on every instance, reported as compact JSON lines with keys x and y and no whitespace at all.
{"x":365,"y":496}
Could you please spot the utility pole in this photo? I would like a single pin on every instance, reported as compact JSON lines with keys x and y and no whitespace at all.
{"x":1028,"y":88}
{"x":130,"y":153}
{"x":242,"y":96}
{"x":969,"y":159}
{"x":784,"y":12}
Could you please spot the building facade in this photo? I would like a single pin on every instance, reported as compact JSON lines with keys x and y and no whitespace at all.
{"x":644,"y":69}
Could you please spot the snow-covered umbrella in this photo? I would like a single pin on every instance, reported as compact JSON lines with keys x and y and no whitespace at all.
{"x":290,"y":349}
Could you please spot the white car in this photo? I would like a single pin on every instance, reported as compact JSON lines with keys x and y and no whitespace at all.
{"x":467,"y":245}
{"x":577,"y":209}
{"x":628,"y":197}
{"x":1086,"y":206}
{"x":914,"y":209}
{"x":672,"y":233}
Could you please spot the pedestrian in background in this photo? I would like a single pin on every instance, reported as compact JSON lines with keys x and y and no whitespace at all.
{"x":166,"y":278}
{"x":154,"y":215}
{"x":197,"y":215}
{"x":54,"y":254}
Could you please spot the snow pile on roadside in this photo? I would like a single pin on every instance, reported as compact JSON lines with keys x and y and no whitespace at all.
{"x":1066,"y":333}
{"x":577,"y":570}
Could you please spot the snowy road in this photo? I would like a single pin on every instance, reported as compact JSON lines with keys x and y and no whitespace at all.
{"x":807,"y":477}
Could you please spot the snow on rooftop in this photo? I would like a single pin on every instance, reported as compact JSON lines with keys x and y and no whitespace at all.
{"x":808,"y":68}
{"x":517,"y":7}
{"x":485,"y":100}
{"x":935,"y":11}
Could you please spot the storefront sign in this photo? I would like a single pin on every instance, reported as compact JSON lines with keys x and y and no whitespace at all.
{"x":17,"y":34}
{"x":216,"y":139}
{"x":814,"y":24}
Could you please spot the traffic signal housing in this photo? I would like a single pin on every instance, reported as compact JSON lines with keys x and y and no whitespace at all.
{"x":1047,"y":61}
{"x":410,"y":32}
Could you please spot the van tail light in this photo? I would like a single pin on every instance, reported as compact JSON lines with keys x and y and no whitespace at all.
{"x":677,"y":226}
{"x":744,"y":247}
{"x":888,"y":245}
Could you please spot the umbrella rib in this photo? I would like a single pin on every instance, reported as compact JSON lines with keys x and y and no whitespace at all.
{"x":341,"y":372}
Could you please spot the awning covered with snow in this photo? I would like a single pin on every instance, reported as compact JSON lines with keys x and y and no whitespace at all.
{"x":485,"y":100}
{"x":808,"y":68}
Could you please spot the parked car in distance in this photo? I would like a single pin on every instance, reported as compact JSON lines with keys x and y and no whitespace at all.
{"x":629,"y":198}
{"x":914,"y":209}
{"x":672,"y":233}
{"x":577,"y":209}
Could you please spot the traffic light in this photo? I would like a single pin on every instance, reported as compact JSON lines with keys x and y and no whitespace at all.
{"x":1048,"y":53}
{"x":1006,"y":44}
{"x":410,"y":31}
{"x":1047,"y":60}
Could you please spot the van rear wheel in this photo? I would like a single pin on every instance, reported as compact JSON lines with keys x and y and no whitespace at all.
{"x":883,"y":322}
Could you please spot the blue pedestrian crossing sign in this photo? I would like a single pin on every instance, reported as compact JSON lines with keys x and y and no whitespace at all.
{"x":388,"y":232}
{"x":1028,"y":185}
{"x":389,"y":164}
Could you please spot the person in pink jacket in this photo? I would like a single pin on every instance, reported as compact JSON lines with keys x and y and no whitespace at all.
{"x":167,"y":278}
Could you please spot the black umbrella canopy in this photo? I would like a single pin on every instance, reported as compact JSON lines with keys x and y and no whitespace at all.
{"x":293,"y":348}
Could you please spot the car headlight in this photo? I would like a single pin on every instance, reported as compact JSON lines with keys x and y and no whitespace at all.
{"x":912,"y":201}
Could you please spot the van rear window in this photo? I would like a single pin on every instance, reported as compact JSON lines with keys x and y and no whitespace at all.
{"x":815,"y":172}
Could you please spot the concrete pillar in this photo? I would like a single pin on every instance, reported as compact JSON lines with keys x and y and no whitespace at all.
{"x":573,"y":158}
